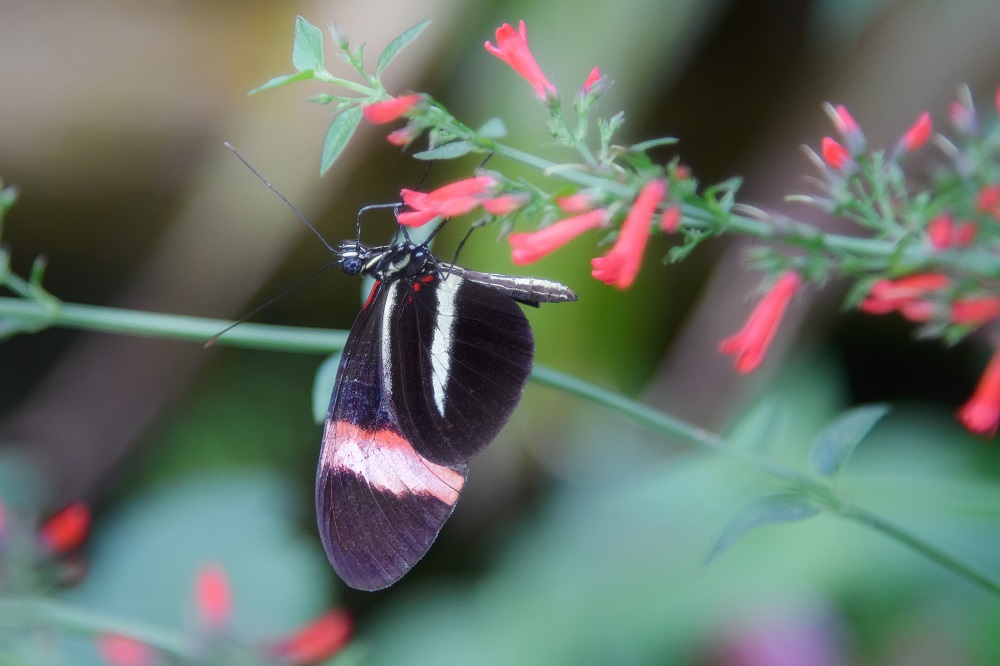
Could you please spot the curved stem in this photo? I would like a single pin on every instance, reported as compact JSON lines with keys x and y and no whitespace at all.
{"x":285,"y":338}
{"x":35,"y":612}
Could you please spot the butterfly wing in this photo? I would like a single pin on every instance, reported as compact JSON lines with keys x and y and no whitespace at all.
{"x":379,"y":503}
{"x":461,"y":355}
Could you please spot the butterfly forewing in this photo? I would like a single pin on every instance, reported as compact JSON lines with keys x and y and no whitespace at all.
{"x":460,"y":357}
{"x":379,"y":503}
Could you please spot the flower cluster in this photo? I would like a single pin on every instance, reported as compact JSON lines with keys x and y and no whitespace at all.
{"x":911,"y":262}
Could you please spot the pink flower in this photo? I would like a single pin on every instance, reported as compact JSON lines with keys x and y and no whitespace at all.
{"x":918,"y":134}
{"x":450,"y":200}
{"x":403,"y":136}
{"x":620,"y":266}
{"x":594,"y":77}
{"x":671,"y":220}
{"x":996,"y":100}
{"x":751,"y":343}
{"x":944,"y":233}
{"x":580,"y":202}
{"x":988,"y":200}
{"x":213,"y":597}
{"x":981,"y":414}
{"x":315,"y":642}
{"x":834,"y":154}
{"x":123,"y":651}
{"x":387,"y":110}
{"x":512,"y":48}
{"x":891,"y":295}
{"x":846,"y":126}
{"x":975,"y":311}
{"x":67,"y":530}
{"x":530,"y":247}
{"x":505,"y":204}
{"x":963,"y":117}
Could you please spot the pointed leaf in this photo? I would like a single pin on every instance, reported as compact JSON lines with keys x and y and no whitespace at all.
{"x":448,"y":151}
{"x":494,"y":128}
{"x":835,"y":444}
{"x":284,"y":79}
{"x":307,"y":54}
{"x":323,"y":383}
{"x":337,"y":136}
{"x":397,"y":45}
{"x":770,"y":510}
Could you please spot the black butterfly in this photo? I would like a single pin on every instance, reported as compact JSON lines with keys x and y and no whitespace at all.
{"x":433,"y":368}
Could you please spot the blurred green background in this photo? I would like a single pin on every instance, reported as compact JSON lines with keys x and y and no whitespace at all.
{"x":580,"y":538}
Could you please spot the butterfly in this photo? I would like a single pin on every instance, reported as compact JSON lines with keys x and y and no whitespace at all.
{"x":432,"y":370}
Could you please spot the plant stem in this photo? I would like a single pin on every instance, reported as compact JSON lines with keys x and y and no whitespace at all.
{"x":286,"y":338}
{"x":38,"y":612}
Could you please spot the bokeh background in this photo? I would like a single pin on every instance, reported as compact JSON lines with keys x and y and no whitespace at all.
{"x":581,"y":538}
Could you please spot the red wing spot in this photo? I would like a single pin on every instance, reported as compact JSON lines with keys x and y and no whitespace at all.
{"x":371,"y":294}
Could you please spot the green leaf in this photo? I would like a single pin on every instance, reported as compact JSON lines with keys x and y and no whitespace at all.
{"x":770,"y":510}
{"x":652,"y":143}
{"x":397,"y":45}
{"x":448,"y":151}
{"x":340,"y":132}
{"x":284,"y":79}
{"x":322,"y":99}
{"x":494,"y":128}
{"x":307,"y":54}
{"x":323,"y":383}
{"x":835,"y":444}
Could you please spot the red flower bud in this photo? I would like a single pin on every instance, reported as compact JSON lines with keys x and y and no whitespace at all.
{"x":751,"y":343}
{"x":213,"y":597}
{"x":387,"y":110}
{"x":981,"y":414}
{"x":834,"y":154}
{"x":67,"y":530}
{"x":620,"y":266}
{"x":530,"y":247}
{"x":918,"y":134}
{"x":315,"y":642}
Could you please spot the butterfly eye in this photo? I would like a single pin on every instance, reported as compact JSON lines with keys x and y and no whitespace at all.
{"x":351,"y":264}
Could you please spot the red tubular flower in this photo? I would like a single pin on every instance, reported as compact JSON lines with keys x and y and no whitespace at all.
{"x":891,"y":295}
{"x":580,"y":202}
{"x":963,"y":117}
{"x":67,"y":530}
{"x":592,"y":78}
{"x":450,"y":200}
{"x":671,"y":220}
{"x":505,"y":204}
{"x":918,"y":134}
{"x":981,"y":414}
{"x":512,"y":48}
{"x":939,"y":231}
{"x":213,"y":597}
{"x":315,"y":642}
{"x":834,"y":154}
{"x":847,"y":127}
{"x":387,"y":110}
{"x":530,"y":247}
{"x":620,"y":266}
{"x":403,"y":136}
{"x":123,"y":651}
{"x":750,"y":344}
{"x":988,"y":200}
{"x":975,"y":311}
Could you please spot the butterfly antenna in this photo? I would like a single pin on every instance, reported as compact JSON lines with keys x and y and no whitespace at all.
{"x":283,"y":198}
{"x":268,"y":302}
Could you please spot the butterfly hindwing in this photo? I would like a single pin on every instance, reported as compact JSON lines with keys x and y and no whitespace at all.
{"x":379,"y":503}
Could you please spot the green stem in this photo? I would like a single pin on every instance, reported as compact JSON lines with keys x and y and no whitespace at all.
{"x":284,"y":338}
{"x":36,"y":612}
{"x":177,"y":327}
